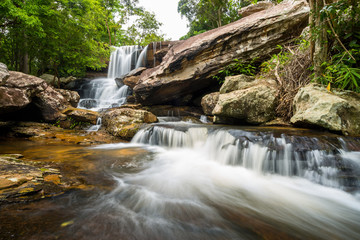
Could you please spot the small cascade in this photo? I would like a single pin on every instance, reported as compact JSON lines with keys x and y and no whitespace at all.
{"x":328,"y":163}
{"x":103,"y":93}
{"x":154,"y":51}
{"x":95,"y":128}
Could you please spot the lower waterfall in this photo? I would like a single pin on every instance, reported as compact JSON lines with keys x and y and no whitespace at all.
{"x":220,"y":183}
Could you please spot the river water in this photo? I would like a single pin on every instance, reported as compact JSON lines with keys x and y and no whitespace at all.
{"x":190,"y":181}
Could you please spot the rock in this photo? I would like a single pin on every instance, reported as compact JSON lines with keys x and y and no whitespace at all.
{"x":246,"y":102}
{"x":254,"y":8}
{"x":49,"y":79}
{"x":12,"y":99}
{"x":125,"y":122}
{"x":131,"y":81}
{"x":4,"y":73}
{"x":174,"y":111}
{"x":81,"y":115}
{"x":208,"y":102}
{"x":314,"y":106}
{"x":189,"y":66}
{"x":55,"y":82}
{"x":131,"y":78}
{"x":237,"y":82}
{"x":21,"y":90}
{"x":70,"y":96}
{"x":22,"y":180}
{"x":51,"y":133}
{"x":156,"y":51}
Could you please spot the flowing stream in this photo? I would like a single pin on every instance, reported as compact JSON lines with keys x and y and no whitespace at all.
{"x":194,"y":181}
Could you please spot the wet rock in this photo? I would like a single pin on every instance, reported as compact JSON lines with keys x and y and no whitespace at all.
{"x":53,"y":133}
{"x":125,"y":122}
{"x":188,"y":66}
{"x":246,"y":100}
{"x":71,"y":96}
{"x":338,"y":110}
{"x":254,"y":8}
{"x":208,"y":102}
{"x":4,"y":73}
{"x":24,"y":180}
{"x":130,"y":79}
{"x":21,"y":90}
{"x":174,"y":111}
{"x":82,"y":115}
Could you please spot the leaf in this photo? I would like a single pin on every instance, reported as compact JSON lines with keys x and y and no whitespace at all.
{"x":328,"y":87}
{"x":65,"y":224}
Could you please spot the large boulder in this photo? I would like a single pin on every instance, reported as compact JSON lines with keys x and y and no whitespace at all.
{"x":248,"y":100}
{"x":314,"y":106}
{"x":4,"y":73}
{"x":22,"y":90}
{"x":189,"y":65}
{"x":125,"y":122}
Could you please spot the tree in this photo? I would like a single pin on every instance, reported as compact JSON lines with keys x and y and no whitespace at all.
{"x":335,"y":42}
{"x":65,"y":37}
{"x":204,"y":15}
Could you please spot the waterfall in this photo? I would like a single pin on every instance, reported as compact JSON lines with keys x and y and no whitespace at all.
{"x":327,"y":164}
{"x":103,"y":93}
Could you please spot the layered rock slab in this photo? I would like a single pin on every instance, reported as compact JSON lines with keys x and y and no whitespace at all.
{"x":314,"y":106}
{"x":188,"y":67}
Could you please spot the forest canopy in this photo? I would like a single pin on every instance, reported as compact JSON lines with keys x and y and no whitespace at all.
{"x":65,"y":37}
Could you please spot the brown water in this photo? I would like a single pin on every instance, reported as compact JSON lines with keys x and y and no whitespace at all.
{"x":137,"y":191}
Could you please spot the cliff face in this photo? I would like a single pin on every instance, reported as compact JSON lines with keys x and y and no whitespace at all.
{"x":189,"y":65}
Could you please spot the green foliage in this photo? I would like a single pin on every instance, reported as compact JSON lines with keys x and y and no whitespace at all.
{"x":277,"y":59}
{"x":204,"y":15}
{"x":66,"y":37}
{"x":341,"y":73}
{"x":342,"y":69}
{"x":237,"y":67}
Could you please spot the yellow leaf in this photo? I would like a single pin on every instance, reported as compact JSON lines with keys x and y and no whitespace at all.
{"x":65,"y":224}
{"x":328,"y":87}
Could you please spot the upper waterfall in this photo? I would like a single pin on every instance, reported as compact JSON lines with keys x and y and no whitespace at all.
{"x":102,"y":93}
{"x":124,"y":59}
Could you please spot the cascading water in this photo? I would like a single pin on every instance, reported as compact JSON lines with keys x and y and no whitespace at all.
{"x":189,"y":181}
{"x":104,"y":93}
{"x":208,"y":183}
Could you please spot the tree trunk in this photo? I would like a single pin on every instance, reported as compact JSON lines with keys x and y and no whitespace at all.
{"x":321,"y":40}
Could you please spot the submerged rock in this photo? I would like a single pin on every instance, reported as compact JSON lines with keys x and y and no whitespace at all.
{"x":188,"y":66}
{"x":125,"y":122}
{"x":23,"y":180}
{"x":314,"y":106}
{"x":245,"y":99}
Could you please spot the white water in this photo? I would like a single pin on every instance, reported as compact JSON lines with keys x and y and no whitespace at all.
{"x":202,"y":183}
{"x":104,"y":93}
